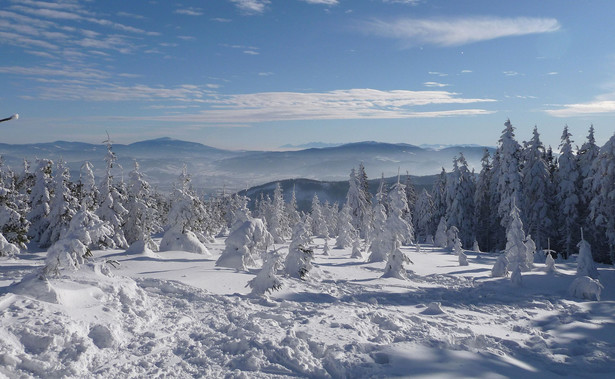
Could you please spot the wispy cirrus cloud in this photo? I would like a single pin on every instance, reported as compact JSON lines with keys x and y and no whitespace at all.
{"x":322,"y":2}
{"x":435,"y":84}
{"x":251,"y":7}
{"x":600,"y":105}
{"x":190,"y":11}
{"x":457,"y":31}
{"x":332,"y":105}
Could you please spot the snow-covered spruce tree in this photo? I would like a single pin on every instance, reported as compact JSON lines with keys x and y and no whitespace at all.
{"x":381,"y":195}
{"x":298,"y":262}
{"x":325,"y":247}
{"x":186,"y":211}
{"x":396,"y":223}
{"x":381,"y":244}
{"x":110,"y":202}
{"x":586,"y":156}
{"x":7,"y":249}
{"x":62,"y":207}
{"x":507,"y":175}
{"x":441,"y":238}
{"x":500,"y":268}
{"x":85,"y":231}
{"x":142,"y":218}
{"x":482,"y":204}
{"x":13,"y":224}
{"x":238,"y":211}
{"x":278,"y":223}
{"x":319,"y":223}
{"x":364,"y":184}
{"x":394,"y":267}
{"x":452,"y":235}
{"x":438,"y":194}
{"x":423,"y":213}
{"x":550,"y":264}
{"x":357,"y":203}
{"x":331,"y":213}
{"x":39,"y":200}
{"x":585,"y":261}
{"x":516,"y":278}
{"x":266,"y":280}
{"x":536,"y":183}
{"x":463,"y":258}
{"x":292,"y":213}
{"x":346,"y":230}
{"x":244,"y":242}
{"x":356,"y":248}
{"x":411,"y":195}
{"x":567,"y":182}
{"x":461,"y":210}
{"x":516,"y":249}
{"x":88,"y":193}
{"x":602,"y":205}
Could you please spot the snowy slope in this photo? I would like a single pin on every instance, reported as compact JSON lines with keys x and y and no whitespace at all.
{"x":176,"y":314}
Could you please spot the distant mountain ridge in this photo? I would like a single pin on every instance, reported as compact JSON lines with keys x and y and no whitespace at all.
{"x":213,"y":169}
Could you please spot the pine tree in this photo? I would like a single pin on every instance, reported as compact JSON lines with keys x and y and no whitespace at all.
{"x":381,"y":244}
{"x":441,"y":237}
{"x":507,"y":175}
{"x":567,"y":179}
{"x":536,"y":182}
{"x":411,"y":196}
{"x":586,"y":156}
{"x":88,"y":192}
{"x":39,"y":200}
{"x":423,"y":215}
{"x":319,"y":223}
{"x":62,"y":207}
{"x":397,"y":225}
{"x":298,"y":262}
{"x":394,"y":267}
{"x":585,"y":262}
{"x":461,"y":210}
{"x":346,"y":230}
{"x":602,"y":205}
{"x":438,"y":193}
{"x":357,"y":203}
{"x":243,"y":244}
{"x":278,"y":226}
{"x":292,"y":214}
{"x":266,"y":280}
{"x":13,"y":223}
{"x":516,"y":249}
{"x":482,"y":204}
{"x":142,"y":217}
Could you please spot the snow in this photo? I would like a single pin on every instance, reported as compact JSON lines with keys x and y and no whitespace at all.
{"x":176,"y":314}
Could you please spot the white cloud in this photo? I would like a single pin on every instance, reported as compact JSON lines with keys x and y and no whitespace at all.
{"x":269,"y":73}
{"x":251,"y":7}
{"x":466,"y":71}
{"x":251,"y":52}
{"x":220,"y":19}
{"x":323,"y":2}
{"x":553,"y":73}
{"x":333,"y":105}
{"x":189,"y":11}
{"x":435,"y":84}
{"x":409,"y":2}
{"x":510,"y":73}
{"x":437,"y":73}
{"x":458,"y":31}
{"x":598,"y":106}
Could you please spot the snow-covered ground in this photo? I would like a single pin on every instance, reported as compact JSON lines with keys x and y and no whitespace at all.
{"x":175,"y":314}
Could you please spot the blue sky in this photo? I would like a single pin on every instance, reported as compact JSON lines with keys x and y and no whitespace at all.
{"x":257,"y":74}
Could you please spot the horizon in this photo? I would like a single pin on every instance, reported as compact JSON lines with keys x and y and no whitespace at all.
{"x":260,"y":74}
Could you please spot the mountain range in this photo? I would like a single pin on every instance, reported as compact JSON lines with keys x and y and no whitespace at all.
{"x":162,"y":160}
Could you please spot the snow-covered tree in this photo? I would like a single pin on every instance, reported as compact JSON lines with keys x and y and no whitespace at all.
{"x":396,"y":223}
{"x":278,"y":223}
{"x":266,"y":280}
{"x":62,"y":207}
{"x":88,"y":192}
{"x":461,"y":210}
{"x":244,"y":243}
{"x":346,"y":230}
{"x":550,"y":264}
{"x":292,"y":214}
{"x":39,"y":200}
{"x":516,"y":248}
{"x":483,"y":219}
{"x":602,"y":205}
{"x":356,"y":248}
{"x":585,"y":261}
{"x":500,"y":268}
{"x":411,"y":196}
{"x":507,"y":175}
{"x":183,"y":218}
{"x":381,"y":244}
{"x":423,"y":214}
{"x":142,"y":217}
{"x":357,"y":203}
{"x":394,"y":267}
{"x":13,"y":223}
{"x":319,"y":223}
{"x":566,"y":180}
{"x":452,"y":235}
{"x":586,"y":156}
{"x":331,"y":213}
{"x":536,"y":183}
{"x":298,"y":262}
{"x":111,"y":208}
{"x":85,"y":230}
{"x":7,"y":249}
{"x":441,"y":238}
{"x":438,"y":194}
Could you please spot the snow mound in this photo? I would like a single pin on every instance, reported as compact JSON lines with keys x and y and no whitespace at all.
{"x":186,"y":241}
{"x":585,"y":287}
{"x":433,"y":308}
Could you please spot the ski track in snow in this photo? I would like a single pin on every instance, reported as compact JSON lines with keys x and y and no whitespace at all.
{"x":345,"y":321}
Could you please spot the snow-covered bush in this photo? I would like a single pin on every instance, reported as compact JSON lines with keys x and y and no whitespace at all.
{"x":550,"y":263}
{"x":463,"y":259}
{"x":441,"y":238}
{"x":174,"y":239}
{"x":585,"y":287}
{"x":7,"y":249}
{"x":298,"y":262}
{"x":395,"y":265}
{"x":500,"y":268}
{"x":325,"y":247}
{"x":356,"y":248}
{"x":266,"y":280}
{"x":515,"y":278}
{"x":243,"y":243}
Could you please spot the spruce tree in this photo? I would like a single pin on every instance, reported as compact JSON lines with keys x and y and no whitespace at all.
{"x":602,"y":205}
{"x":482,"y":204}
{"x":39,"y":200}
{"x":566,"y":180}
{"x":62,"y":207}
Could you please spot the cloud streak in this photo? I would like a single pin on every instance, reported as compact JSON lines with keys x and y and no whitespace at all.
{"x":332,"y":105}
{"x":457,"y":31}
{"x":582,"y":109}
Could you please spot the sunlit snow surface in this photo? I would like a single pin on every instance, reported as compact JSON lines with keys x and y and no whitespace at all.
{"x":175,"y":314}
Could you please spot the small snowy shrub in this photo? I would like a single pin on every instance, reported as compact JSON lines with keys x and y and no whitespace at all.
{"x":298,"y":261}
{"x":243,"y":242}
{"x":500,"y":268}
{"x":7,"y":248}
{"x":585,"y":287}
{"x":395,"y":265}
{"x":550,"y":263}
{"x":463,"y":259}
{"x":441,"y":238}
{"x":356,"y":248}
{"x":266,"y":280}
{"x":585,"y":262}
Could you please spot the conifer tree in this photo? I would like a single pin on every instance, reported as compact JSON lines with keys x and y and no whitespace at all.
{"x":536,"y":183}
{"x":482,"y":204}
{"x":88,"y":192}
{"x":278,"y":225}
{"x":602,"y":205}
{"x":357,"y":203}
{"x":567,"y":179}
{"x":13,"y":223}
{"x":586,"y":156}
{"x":398,"y":204}
{"x":346,"y":230}
{"x":423,"y":215}
{"x":62,"y":207}
{"x":319,"y":223}
{"x":39,"y":200}
{"x":461,"y":210}
{"x":508,"y":176}
{"x":142,"y":217}
{"x":438,"y":194}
